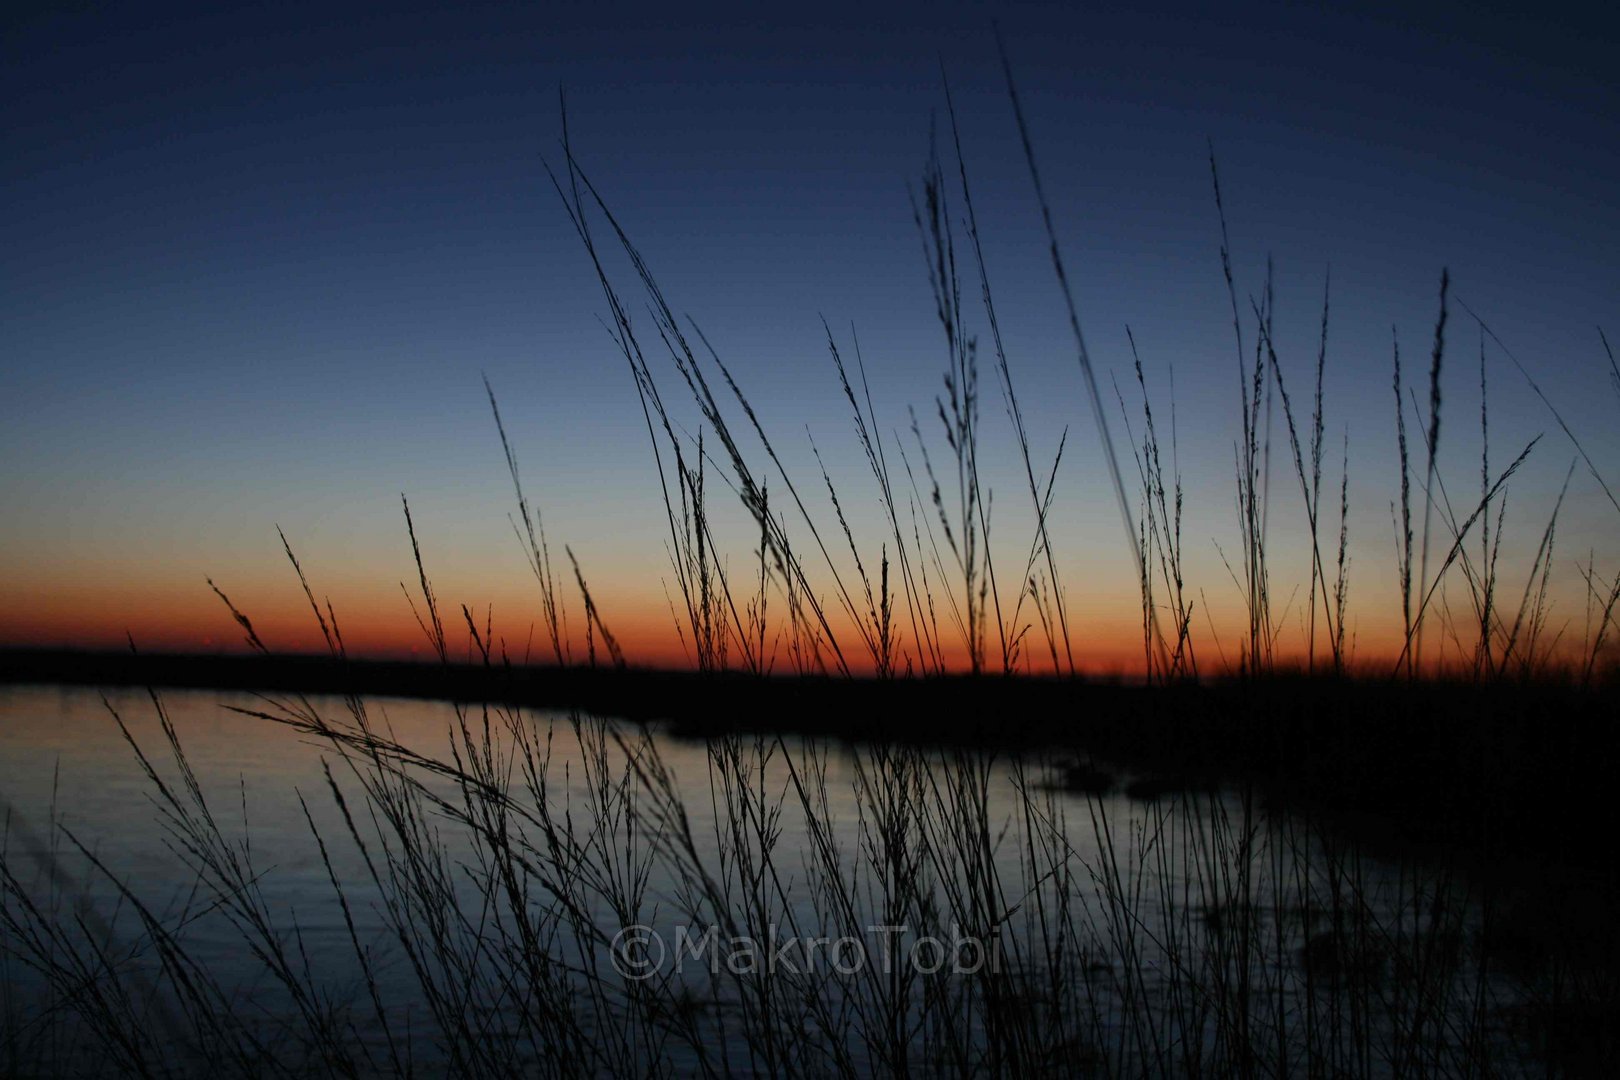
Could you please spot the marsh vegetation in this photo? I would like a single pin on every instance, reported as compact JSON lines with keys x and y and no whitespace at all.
{"x":1267,"y":861}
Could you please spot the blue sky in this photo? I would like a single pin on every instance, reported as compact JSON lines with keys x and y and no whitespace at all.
{"x":257,"y":259}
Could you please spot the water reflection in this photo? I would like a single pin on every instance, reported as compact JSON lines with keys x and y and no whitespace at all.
{"x":451,"y":890}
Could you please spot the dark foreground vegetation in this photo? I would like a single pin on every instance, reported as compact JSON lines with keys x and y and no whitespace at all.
{"x":1321,"y":875}
{"x":1232,"y":870}
{"x":1173,"y":883}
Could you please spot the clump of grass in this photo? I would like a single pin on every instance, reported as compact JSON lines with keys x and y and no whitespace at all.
{"x":1160,"y":546}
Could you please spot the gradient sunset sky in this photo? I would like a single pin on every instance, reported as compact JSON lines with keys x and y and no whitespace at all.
{"x":256,"y":261}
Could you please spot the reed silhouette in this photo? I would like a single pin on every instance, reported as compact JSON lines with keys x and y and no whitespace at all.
{"x":1316,"y":866}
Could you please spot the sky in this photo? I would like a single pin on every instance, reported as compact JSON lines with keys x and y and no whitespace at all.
{"x":258,"y":260}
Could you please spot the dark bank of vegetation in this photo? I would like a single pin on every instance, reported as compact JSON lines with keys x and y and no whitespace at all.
{"x":1498,"y":769}
{"x":1277,"y":896}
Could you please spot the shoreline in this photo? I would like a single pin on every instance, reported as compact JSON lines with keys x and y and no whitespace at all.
{"x":1499,"y":768}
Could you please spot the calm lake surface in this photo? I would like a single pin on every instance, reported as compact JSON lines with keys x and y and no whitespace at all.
{"x":1150,"y":885}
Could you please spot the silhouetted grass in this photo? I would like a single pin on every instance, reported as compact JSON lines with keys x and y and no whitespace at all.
{"x":1320,"y":871}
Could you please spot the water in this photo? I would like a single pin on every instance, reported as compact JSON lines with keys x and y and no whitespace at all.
{"x":744,"y":904}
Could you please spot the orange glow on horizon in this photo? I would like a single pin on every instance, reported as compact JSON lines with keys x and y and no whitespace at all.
{"x":377,"y":625}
